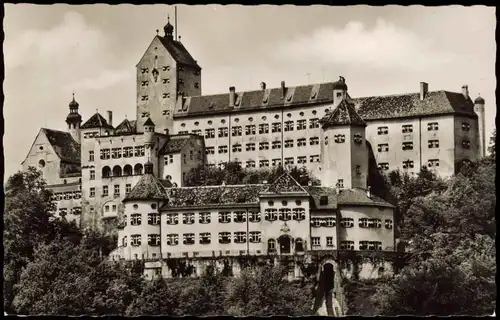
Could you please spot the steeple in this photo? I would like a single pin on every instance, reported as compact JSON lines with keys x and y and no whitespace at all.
{"x":169,"y":29}
{"x":74,"y":119}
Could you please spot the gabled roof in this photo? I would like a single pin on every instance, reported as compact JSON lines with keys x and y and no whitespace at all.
{"x":175,"y":143}
{"x":66,"y":148}
{"x":148,"y":188}
{"x":359,"y":197}
{"x":344,"y":114}
{"x":285,"y":184}
{"x":317,"y":193}
{"x":148,"y":122}
{"x":96,"y":121}
{"x":126,"y":126}
{"x":178,"y":52}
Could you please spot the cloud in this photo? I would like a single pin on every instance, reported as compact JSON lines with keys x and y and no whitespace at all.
{"x":384,"y":46}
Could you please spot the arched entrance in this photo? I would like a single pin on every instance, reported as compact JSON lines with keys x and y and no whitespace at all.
{"x":285,"y":243}
{"x":328,"y":300}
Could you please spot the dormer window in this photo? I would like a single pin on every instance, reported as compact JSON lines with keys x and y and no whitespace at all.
{"x":323,"y":200}
{"x":338,"y":94}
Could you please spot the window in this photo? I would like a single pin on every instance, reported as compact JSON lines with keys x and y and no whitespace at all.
{"x":408,"y":164}
{"x":183,"y":132}
{"x":276,"y":144}
{"x":116,"y":190}
{"x":139,"y":151}
{"x":263,"y":163}
{"x":407,"y":146}
{"x":254,"y":237}
{"x":240,"y":216}
{"x":358,"y":138}
{"x":91,"y":156}
{"x":222,"y":149}
{"x":250,"y":146}
{"x":154,"y":219}
{"x":124,"y":241}
{"x":104,"y":191}
{"x":316,"y":222}
{"x":236,"y":131}
{"x":271,"y":214}
{"x":358,"y":170}
{"x":340,"y":183}
{"x":197,"y":131}
{"x":432,"y":126}
{"x":271,"y":245}
{"x":188,"y":238}
{"x":329,"y":241}
{"x":135,"y":219}
{"x":289,"y":161}
{"x":299,"y":245}
{"x":188,"y":218}
{"x":209,"y":133}
{"x":223,"y":132}
{"x":276,"y":127}
{"x":135,"y":240}
{"x":172,"y":239}
{"x":263,"y":128}
{"x":383,"y":166}
{"x":302,"y":160}
{"x":128,"y":152}
{"x":407,"y":128}
{"x":288,"y":143}
{"x":250,"y":130}
{"x":92,"y":174}
{"x":346,"y":245}
{"x":205,"y":238}
{"x":347,"y":222}
{"x":363,"y":245}
{"x":370,"y":245}
{"x":301,"y":124}
{"x":205,"y":217}
{"x":92,"y":192}
{"x":172,"y":218}
{"x":316,"y":241}
{"x":314,"y":158}
{"x":433,"y":144}
{"x":433,"y":163}
{"x":326,"y":140}
{"x":253,"y":216}
{"x":224,"y":237}
{"x":288,"y":126}
{"x":285,"y":214}
{"x":382,"y":131}
{"x":210,"y":150}
{"x":237,"y":147}
{"x":224,"y":217}
{"x":383,"y":147}
{"x":116,"y":153}
{"x":105,"y":154}
{"x":388,"y":224}
{"x":465,"y":127}
{"x":263,"y":145}
{"x":313,"y":123}
{"x":154,"y":240}
{"x":250,"y":164}
{"x":240,"y":237}
{"x":466,"y":144}
{"x":313,"y":141}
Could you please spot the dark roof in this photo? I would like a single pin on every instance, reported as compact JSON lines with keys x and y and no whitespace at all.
{"x":148,"y":188}
{"x":317,"y":192}
{"x":359,"y":197}
{"x":368,"y":108}
{"x":66,"y":148}
{"x":178,"y":52}
{"x":479,"y":100}
{"x":175,"y":144}
{"x":216,"y":196}
{"x":126,"y":126}
{"x":96,"y":121}
{"x":148,"y":122}
{"x":340,"y":84}
{"x":285,"y":184}
{"x":344,"y":114}
{"x":408,"y":105}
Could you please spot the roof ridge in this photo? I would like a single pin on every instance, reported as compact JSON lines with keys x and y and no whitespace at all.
{"x":400,"y":94}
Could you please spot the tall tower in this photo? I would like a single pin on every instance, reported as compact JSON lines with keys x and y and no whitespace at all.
{"x":149,"y":139}
{"x":166,"y":73}
{"x":344,"y":153}
{"x":74,"y":120}
{"x":479,"y":110}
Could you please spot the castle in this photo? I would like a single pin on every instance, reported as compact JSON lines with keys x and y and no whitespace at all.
{"x":133,"y":174}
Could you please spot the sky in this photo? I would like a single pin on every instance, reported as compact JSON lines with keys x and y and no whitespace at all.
{"x":51,"y":50}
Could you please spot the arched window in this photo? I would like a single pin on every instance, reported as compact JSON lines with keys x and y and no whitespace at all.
{"x":117,"y":171}
{"x":41,"y":164}
{"x":168,"y":177}
{"x":106,"y":172}
{"x":138,"y":169}
{"x":299,"y":245}
{"x":271,"y":245}
{"x":127,"y":170}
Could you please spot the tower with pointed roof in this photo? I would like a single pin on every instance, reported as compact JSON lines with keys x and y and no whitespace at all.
{"x":74,"y":120}
{"x":479,"y":110}
{"x":344,"y":153}
{"x":165,"y":74}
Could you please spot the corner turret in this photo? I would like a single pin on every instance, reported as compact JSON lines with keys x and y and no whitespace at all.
{"x":479,"y":110}
{"x":74,"y":120}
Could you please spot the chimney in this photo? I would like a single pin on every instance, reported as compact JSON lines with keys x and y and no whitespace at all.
{"x":263,"y":86}
{"x":110,"y":117}
{"x":424,"y":88}
{"x":368,"y":192}
{"x":465,"y":91}
{"x":283,"y":90}
{"x":232,"y":96}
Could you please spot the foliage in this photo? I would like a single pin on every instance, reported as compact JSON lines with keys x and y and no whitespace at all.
{"x":233,"y":174}
{"x":492,"y":147}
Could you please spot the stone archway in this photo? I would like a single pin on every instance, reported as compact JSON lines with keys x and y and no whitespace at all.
{"x":329,"y":296}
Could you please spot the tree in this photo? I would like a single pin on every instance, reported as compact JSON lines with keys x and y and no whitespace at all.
{"x":159,"y":297}
{"x":492,"y":147}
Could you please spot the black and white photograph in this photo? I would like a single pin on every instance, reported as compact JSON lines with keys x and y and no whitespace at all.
{"x":249,"y":160}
